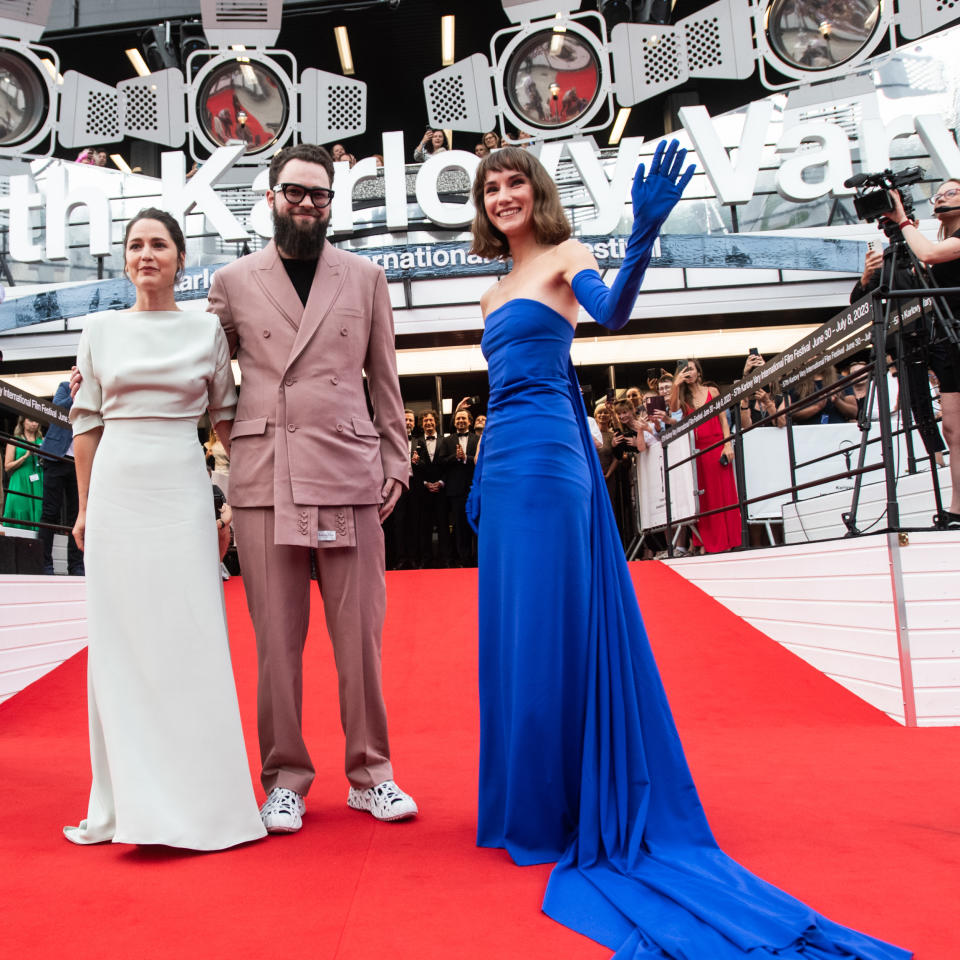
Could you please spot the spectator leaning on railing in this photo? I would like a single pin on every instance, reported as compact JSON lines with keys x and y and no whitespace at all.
{"x":24,"y":500}
{"x":826,"y":409}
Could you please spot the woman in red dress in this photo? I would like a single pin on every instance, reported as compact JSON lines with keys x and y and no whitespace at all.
{"x":718,"y":531}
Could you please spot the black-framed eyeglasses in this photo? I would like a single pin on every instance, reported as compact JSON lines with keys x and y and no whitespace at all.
{"x":294,"y":193}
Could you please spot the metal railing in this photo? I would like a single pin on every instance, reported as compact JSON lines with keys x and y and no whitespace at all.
{"x":874,"y":323}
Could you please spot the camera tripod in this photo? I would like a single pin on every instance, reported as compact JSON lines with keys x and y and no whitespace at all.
{"x":911,"y":351}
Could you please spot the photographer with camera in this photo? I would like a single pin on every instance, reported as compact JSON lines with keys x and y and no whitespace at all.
{"x":940,"y":354}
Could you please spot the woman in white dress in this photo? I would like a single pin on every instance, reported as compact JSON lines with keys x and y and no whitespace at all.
{"x":166,"y":746}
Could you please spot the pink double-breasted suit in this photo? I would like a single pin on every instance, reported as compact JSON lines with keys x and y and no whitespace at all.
{"x":307,"y":467}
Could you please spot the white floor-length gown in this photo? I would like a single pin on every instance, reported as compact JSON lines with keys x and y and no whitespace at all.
{"x":166,"y":745}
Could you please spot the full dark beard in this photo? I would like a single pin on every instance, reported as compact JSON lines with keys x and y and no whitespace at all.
{"x":299,"y":243}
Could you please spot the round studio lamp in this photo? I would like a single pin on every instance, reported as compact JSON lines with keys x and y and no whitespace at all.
{"x":24,"y":98}
{"x":812,"y":37}
{"x":242,"y":98}
{"x":553,"y":80}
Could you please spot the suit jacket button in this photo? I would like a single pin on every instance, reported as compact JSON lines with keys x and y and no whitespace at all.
{"x":290,"y":381}
{"x":339,"y":428}
{"x":291,"y":427}
{"x":343,"y":331}
{"x":334,"y":380}
{"x":266,"y":334}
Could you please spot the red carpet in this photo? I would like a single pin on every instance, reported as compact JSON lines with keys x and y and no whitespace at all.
{"x":803,"y":783}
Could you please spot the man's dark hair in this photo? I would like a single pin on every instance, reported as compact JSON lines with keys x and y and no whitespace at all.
{"x":309,"y":152}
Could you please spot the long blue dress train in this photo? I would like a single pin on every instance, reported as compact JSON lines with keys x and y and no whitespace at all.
{"x":580,"y":761}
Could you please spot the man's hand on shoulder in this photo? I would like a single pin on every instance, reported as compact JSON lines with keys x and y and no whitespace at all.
{"x":76,"y":378}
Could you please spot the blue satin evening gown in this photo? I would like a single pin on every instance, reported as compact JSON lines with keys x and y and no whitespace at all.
{"x":580,"y":761}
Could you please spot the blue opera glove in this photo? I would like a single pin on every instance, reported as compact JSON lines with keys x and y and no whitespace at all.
{"x":654,"y":196}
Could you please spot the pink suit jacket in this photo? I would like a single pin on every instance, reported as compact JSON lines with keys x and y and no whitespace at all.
{"x":302,"y":380}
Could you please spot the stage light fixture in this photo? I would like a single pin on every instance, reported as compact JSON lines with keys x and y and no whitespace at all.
{"x":619,"y":125}
{"x":39,"y":106}
{"x":191,"y":39}
{"x":552,"y":90}
{"x":265,"y":103}
{"x":652,"y":11}
{"x":242,"y":98}
{"x":447,"y":26}
{"x":26,"y":93}
{"x":139,"y":64}
{"x":802,"y":42}
{"x":615,"y":11}
{"x":241,"y":91}
{"x":344,"y":51}
{"x":158,"y":49}
{"x":921,"y":17}
{"x":814,"y":40}
{"x":636,"y":63}
{"x":808,"y":45}
{"x":51,"y":68}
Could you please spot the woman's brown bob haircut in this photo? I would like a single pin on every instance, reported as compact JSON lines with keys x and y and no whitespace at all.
{"x":550,"y":224}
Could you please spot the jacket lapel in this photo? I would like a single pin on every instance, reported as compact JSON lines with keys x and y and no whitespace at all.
{"x":327,"y":282}
{"x":272,"y":278}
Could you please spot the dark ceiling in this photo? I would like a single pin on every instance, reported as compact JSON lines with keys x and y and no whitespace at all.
{"x":395,"y":44}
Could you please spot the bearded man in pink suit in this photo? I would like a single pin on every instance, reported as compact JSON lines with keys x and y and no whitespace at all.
{"x":312,"y":476}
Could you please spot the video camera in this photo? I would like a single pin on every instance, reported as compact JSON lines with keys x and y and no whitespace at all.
{"x":875,"y":192}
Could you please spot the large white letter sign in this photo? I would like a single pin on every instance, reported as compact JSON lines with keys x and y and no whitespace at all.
{"x":20,"y":202}
{"x":609,"y":196}
{"x":733,"y":182}
{"x":181,"y":195}
{"x":395,"y":180}
{"x":833,"y":156}
{"x":345,"y":178}
{"x":60,"y":204}
{"x":940,"y":144}
{"x":445,"y":214}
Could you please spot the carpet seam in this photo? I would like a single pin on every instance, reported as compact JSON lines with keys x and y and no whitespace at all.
{"x":353,"y":898}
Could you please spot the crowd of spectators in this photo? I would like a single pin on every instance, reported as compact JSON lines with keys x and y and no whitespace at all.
{"x":95,"y":156}
{"x":428,"y":527}
{"x":431,"y":142}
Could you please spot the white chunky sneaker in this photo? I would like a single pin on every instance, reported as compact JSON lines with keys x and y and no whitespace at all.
{"x":283,"y":811}
{"x":385,"y":801}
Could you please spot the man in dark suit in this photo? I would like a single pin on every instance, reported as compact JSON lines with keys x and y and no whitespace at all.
{"x":60,"y":502}
{"x":428,"y":477}
{"x":458,"y":454}
{"x":402,"y":529}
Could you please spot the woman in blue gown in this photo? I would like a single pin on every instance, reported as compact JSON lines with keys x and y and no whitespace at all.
{"x":580,"y":762}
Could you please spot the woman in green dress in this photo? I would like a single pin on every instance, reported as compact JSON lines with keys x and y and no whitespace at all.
{"x":24,"y":471}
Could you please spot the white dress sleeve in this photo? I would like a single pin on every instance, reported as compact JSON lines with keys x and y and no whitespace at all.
{"x":85,"y":412}
{"x":223,"y":391}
